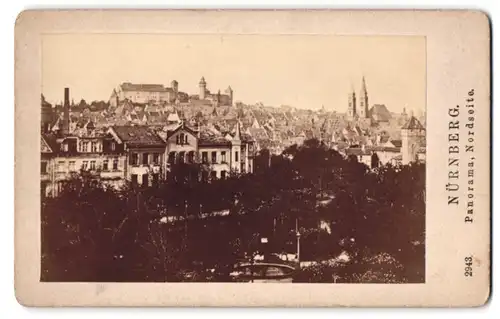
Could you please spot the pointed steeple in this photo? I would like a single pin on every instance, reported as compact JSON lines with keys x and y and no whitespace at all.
{"x":363,"y":85}
{"x":237,"y":133}
{"x":363,"y":100}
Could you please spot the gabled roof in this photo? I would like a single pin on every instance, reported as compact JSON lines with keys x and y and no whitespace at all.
{"x":413,"y":124}
{"x":48,"y":143}
{"x":137,"y":136}
{"x":182,"y":127}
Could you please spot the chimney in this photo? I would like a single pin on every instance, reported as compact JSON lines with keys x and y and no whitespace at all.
{"x":65,"y":126}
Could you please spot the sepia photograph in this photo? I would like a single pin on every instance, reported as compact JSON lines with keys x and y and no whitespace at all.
{"x":233,"y":158}
{"x":252,"y":158}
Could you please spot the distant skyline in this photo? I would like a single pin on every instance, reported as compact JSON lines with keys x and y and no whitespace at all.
{"x":303,"y":71}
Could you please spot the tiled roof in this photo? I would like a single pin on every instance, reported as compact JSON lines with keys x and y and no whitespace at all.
{"x":207,"y":139}
{"x":384,"y":149}
{"x":143,"y":87}
{"x":413,"y":124}
{"x":397,"y":143}
{"x":138,"y":136}
{"x":357,"y":151}
{"x":379,"y":112}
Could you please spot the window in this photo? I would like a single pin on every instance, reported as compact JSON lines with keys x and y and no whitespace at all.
{"x":185,"y":139}
{"x":86,"y":147}
{"x":204,"y":176}
{"x":145,"y":180}
{"x":181,"y":138}
{"x":134,"y":179}
{"x":156,"y":158}
{"x":204,"y":157}
{"x":191,"y":157}
{"x":105,"y":165}
{"x":134,"y":158}
{"x":113,"y":146}
{"x":72,"y":166}
{"x":171,"y":157}
{"x":115,"y":164}
{"x":223,"y":157}
{"x":92,"y":165}
{"x":43,"y":168}
{"x":145,"y":158}
{"x":213,"y":175}
{"x":155,"y":179}
{"x":85,"y":165}
{"x":60,"y":166}
{"x":181,"y":157}
{"x":94,"y":147}
{"x":223,"y":174}
{"x":236,"y":156}
{"x":214,"y":157}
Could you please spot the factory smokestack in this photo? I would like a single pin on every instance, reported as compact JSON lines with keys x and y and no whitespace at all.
{"x":65,"y":127}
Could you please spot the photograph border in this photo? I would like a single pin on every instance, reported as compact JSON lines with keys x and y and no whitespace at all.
{"x":445,"y":284}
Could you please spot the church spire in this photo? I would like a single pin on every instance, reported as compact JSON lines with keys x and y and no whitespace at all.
{"x":237,"y":134}
{"x":363,"y":85}
{"x":363,"y":100}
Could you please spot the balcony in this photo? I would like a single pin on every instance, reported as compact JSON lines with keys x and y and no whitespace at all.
{"x":111,"y":174}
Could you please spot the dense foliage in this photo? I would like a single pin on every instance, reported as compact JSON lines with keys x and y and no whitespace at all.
{"x":172,"y":232}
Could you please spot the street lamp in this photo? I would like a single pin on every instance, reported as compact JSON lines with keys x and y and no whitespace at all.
{"x":298,"y":239}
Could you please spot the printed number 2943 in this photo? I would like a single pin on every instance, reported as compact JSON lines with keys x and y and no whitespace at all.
{"x":468,"y":266}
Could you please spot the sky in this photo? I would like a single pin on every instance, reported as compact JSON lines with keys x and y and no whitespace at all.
{"x":304,"y":71}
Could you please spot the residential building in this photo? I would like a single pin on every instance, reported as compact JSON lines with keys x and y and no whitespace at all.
{"x":64,"y":156}
{"x":144,"y":151}
{"x":222,"y":154}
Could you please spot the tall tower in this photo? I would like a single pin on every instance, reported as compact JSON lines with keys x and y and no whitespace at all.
{"x":175,"y":88}
{"x":412,"y":136}
{"x":203,"y":88}
{"x":363,"y":100}
{"x":229,"y":91}
{"x":65,"y":127}
{"x":351,"y":110}
{"x":236,"y":149}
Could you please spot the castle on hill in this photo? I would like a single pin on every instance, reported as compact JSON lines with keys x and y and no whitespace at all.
{"x":160,"y":94}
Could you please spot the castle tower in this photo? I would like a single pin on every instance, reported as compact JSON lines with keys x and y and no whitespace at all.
{"x":412,"y":136}
{"x":236,"y":149}
{"x":175,"y":87}
{"x":203,"y":88}
{"x":217,"y":100}
{"x":229,"y":92}
{"x":363,"y":100}
{"x":351,"y":110}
